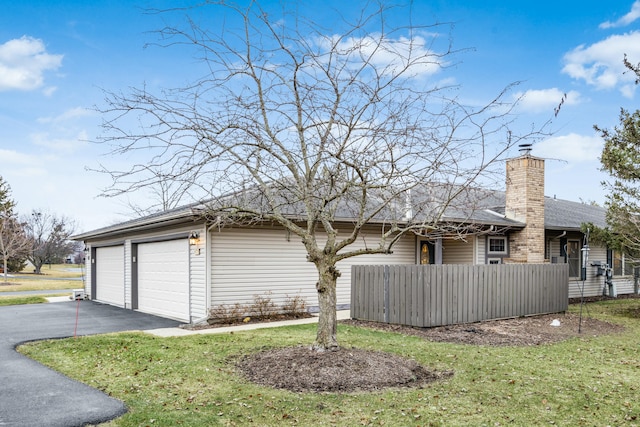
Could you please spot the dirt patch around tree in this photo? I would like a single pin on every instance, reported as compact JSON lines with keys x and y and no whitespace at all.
{"x":300,"y":369}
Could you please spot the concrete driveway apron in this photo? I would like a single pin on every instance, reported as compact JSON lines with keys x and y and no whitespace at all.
{"x":33,"y":395}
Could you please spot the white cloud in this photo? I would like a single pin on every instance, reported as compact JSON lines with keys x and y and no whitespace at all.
{"x":12,"y":157}
{"x":627,"y":19}
{"x":572,"y":148}
{"x":20,"y":165}
{"x":60,"y":145}
{"x":538,"y":101}
{"x":23,"y":62}
{"x":389,"y":56}
{"x":600,"y":64}
{"x":68,"y":115}
{"x":48,"y":91}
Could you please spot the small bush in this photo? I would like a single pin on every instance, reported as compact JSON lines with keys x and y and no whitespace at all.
{"x":263,"y":306}
{"x":227,"y":314}
{"x":295,"y":306}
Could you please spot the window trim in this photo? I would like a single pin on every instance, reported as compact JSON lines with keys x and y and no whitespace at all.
{"x":611,"y":260}
{"x":506,"y":246}
{"x":430,"y":250}
{"x":578,"y":258}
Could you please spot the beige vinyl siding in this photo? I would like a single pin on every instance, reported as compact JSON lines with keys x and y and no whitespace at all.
{"x":592,"y":286}
{"x":624,"y":284}
{"x":253,"y":261}
{"x":458,"y":251}
{"x":87,"y":275}
{"x":127,"y":274}
{"x":554,"y":252}
{"x":481,"y":250}
{"x":198,"y":278}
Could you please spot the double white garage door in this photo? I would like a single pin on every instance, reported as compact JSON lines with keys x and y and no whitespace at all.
{"x":161,"y":285}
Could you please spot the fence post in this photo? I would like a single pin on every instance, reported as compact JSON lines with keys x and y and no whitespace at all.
{"x":386,"y":293}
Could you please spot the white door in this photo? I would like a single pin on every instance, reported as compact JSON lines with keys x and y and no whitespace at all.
{"x":163,"y":278}
{"x":110,"y":275}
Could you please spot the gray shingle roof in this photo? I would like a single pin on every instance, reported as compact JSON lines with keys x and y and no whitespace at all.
{"x":479,"y":206}
{"x":566,"y":215}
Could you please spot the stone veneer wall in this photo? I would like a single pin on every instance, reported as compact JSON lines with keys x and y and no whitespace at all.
{"x":525,"y":203}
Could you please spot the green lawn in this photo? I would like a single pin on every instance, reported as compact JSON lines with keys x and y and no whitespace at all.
{"x":55,"y":276}
{"x":192,"y":381}
{"x":22,"y":300}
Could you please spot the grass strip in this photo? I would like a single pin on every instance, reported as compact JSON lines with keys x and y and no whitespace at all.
{"x":31,"y":299}
{"x":192,"y":381}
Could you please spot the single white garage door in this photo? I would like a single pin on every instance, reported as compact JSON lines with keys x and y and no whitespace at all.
{"x":110,"y":275}
{"x":163,"y":278}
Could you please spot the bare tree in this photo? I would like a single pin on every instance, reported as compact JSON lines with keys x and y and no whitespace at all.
{"x":13,"y":239}
{"x":319,"y":132}
{"x":164,"y":191}
{"x":13,"y":242}
{"x":48,"y":238}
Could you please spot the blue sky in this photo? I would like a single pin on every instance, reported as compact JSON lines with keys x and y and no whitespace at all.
{"x":56,"y":57}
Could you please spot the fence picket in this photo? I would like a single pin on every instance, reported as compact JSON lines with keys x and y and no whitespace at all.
{"x":436,"y":295}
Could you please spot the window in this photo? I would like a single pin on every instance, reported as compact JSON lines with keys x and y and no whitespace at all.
{"x":573,"y":257}
{"x":497,"y":245}
{"x":619,"y":263}
{"x":494,"y":261}
{"x":628,"y":267}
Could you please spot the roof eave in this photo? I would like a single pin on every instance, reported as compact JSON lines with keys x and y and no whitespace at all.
{"x":142,"y":225}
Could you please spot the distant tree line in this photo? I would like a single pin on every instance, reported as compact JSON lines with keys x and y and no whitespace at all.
{"x":40,"y":238}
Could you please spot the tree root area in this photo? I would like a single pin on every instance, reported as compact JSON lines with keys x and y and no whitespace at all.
{"x":301,"y":369}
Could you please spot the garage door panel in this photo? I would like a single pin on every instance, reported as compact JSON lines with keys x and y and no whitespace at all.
{"x":163,"y":278}
{"x":110,"y":275}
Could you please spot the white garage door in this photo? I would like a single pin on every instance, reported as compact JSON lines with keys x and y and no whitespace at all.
{"x":110,"y":275}
{"x":163,"y":278}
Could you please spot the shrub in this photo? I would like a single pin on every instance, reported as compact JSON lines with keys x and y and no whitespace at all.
{"x":227,"y":314}
{"x":263,"y":306}
{"x":295,"y":306}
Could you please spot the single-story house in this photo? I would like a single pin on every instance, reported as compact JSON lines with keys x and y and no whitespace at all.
{"x":173,"y":264}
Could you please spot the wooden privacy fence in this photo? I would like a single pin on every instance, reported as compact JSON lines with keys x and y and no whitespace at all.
{"x":437,"y":295}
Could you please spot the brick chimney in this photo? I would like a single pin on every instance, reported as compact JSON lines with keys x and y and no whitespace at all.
{"x":525,"y":203}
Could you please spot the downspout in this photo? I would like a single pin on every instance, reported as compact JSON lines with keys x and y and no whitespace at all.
{"x":564,"y":233}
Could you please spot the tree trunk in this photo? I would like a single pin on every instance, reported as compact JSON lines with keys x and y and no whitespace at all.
{"x":326,"y":338}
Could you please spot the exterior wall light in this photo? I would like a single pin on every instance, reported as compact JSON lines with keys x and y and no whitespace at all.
{"x":193,"y":238}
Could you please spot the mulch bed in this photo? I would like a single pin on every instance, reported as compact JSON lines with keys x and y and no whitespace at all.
{"x":300,"y":369}
{"x":522,"y":331}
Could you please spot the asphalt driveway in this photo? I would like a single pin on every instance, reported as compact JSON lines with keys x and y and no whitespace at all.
{"x":33,"y":395}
